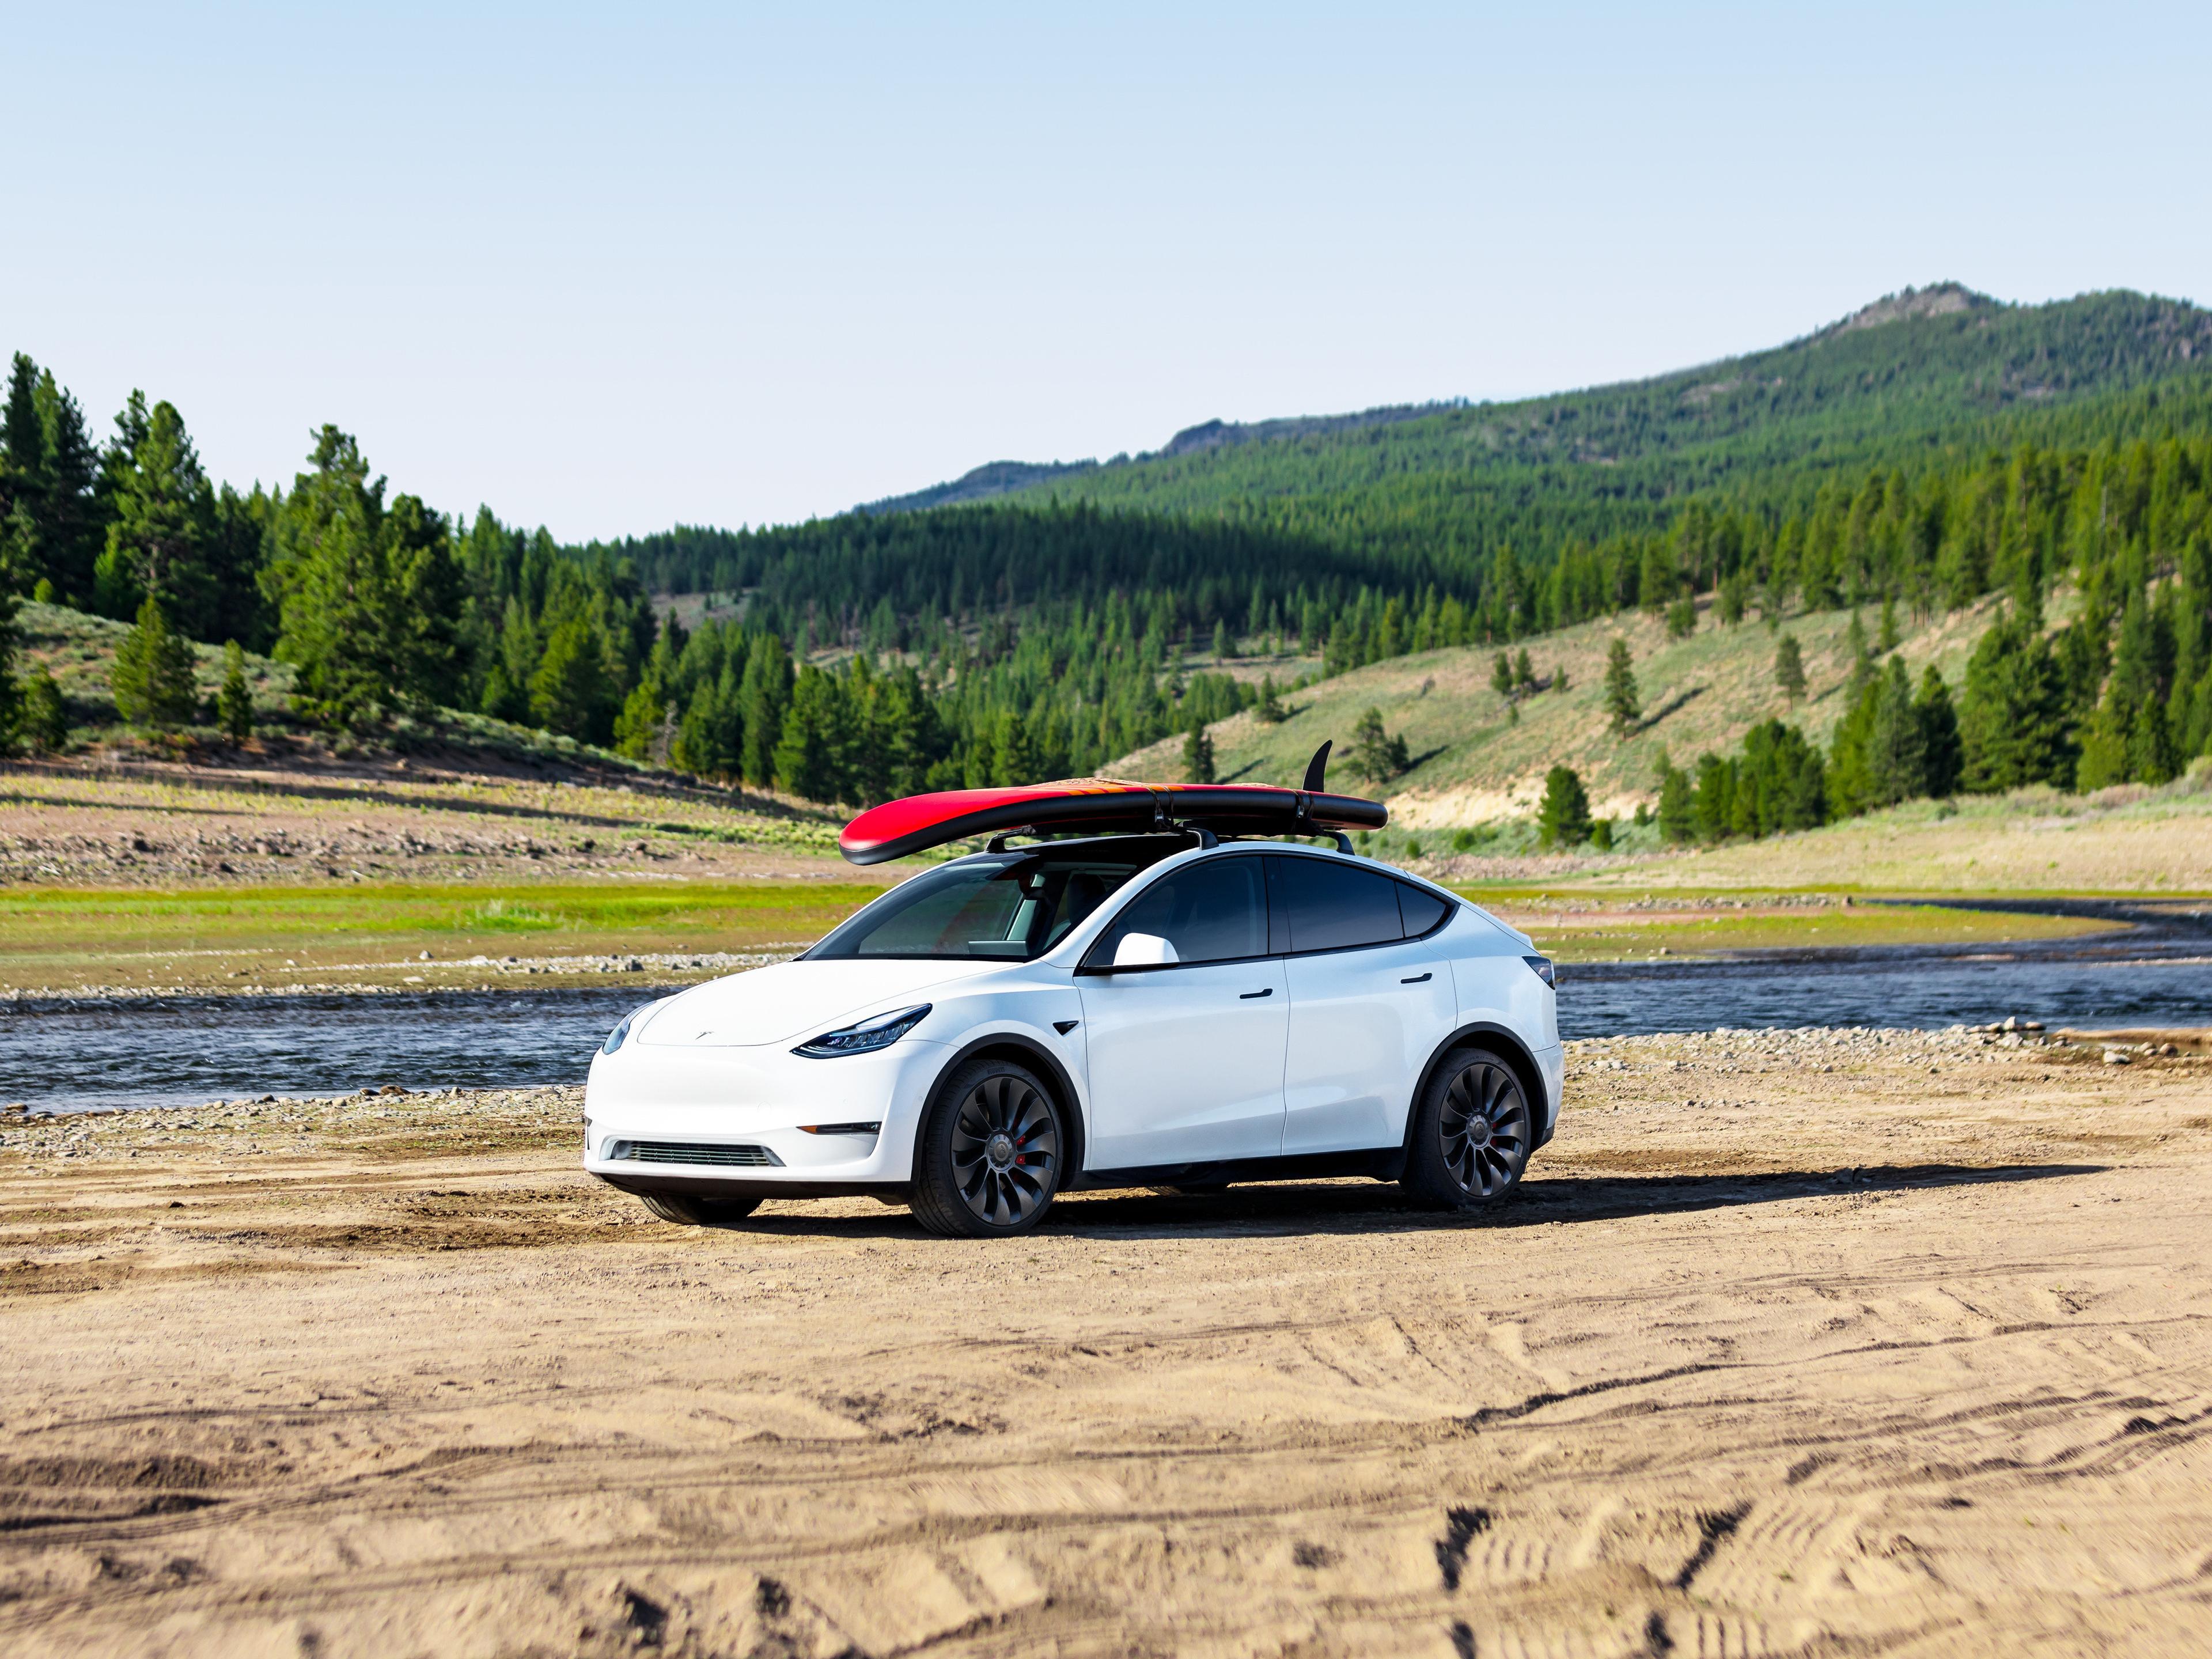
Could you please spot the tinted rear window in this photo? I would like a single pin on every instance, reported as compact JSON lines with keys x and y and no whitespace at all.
{"x":1418,"y":908}
{"x":1333,"y":906}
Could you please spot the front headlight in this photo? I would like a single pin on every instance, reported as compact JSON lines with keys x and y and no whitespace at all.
{"x":621,"y":1033}
{"x":870,"y":1035}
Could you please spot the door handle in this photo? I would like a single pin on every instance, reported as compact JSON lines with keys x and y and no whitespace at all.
{"x":1418,"y":979}
{"x":1247,"y":995}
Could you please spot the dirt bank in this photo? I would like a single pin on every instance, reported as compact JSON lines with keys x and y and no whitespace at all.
{"x":1810,"y":1343}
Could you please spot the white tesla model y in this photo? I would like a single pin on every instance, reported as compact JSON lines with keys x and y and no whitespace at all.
{"x":1187,"y":1005}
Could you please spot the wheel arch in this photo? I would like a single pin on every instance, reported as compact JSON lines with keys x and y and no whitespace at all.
{"x":1507,"y":1044}
{"x":1024,"y":1050}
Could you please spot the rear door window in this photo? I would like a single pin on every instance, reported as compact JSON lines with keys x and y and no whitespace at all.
{"x":1334,"y":907}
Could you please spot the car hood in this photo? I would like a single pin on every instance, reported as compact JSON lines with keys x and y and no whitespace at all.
{"x":794,"y":1000}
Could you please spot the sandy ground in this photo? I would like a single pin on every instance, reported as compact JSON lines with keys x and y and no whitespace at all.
{"x":1823,"y":1344}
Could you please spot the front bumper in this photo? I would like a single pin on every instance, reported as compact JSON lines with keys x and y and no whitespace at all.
{"x":701,"y":1102}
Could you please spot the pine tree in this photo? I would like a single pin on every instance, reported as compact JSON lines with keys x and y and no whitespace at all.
{"x":369,"y":597}
{"x":152,"y":679}
{"x":2123,"y":742}
{"x":1789,"y":669}
{"x":1939,"y":734}
{"x":2150,"y":753}
{"x":50,"y":517}
{"x":808,"y":754}
{"x":1014,"y":758}
{"x":163,"y":536}
{"x":1733,"y":596}
{"x":45,"y":717}
{"x":571,"y":691}
{"x":1269,"y":709}
{"x":22,"y":439}
{"x":762,"y":697}
{"x":1223,"y":646}
{"x":1682,"y":618}
{"x":2012,"y":714}
{"x":1377,"y":755}
{"x":703,"y":743}
{"x":1501,"y":675}
{"x":1622,"y":701}
{"x":1861,"y":654}
{"x":1524,"y":671}
{"x":1896,"y":749}
{"x":1713,"y":802}
{"x":640,"y":726}
{"x":234,"y":703}
{"x":22,"y":479}
{"x":1198,"y":754}
{"x":1889,"y":634}
{"x":1564,"y":817}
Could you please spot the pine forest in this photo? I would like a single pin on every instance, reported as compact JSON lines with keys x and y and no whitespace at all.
{"x":1911,"y":462}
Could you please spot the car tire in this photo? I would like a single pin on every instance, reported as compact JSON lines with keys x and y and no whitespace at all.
{"x":690,"y":1210}
{"x":991,"y":1154}
{"x":1473,"y":1132}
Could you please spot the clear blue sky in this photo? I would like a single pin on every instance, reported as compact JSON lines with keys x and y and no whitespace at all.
{"x":607,"y":269}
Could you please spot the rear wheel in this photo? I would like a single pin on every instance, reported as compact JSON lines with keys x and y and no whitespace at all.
{"x":692,"y":1210}
{"x":1473,"y":1134}
{"x":988,"y":1161}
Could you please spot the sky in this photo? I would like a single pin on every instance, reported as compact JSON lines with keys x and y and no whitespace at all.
{"x":611,"y":268}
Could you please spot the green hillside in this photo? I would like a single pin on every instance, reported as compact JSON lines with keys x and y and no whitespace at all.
{"x":1257,"y":526}
{"x":1473,"y":763}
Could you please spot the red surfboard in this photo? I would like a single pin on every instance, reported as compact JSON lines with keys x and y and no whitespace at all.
{"x":921,"y":822}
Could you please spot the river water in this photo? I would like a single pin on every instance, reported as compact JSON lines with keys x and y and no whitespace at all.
{"x":63,"y":1056}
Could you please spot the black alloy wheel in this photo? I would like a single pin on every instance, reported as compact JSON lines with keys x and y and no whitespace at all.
{"x":1475,"y":1133}
{"x":693,"y":1210}
{"x":989,"y":1161}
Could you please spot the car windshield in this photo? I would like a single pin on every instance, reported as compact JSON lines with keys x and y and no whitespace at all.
{"x":1008,"y":908}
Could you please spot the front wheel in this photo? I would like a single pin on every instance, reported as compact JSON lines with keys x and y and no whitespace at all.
{"x":1472,"y":1134}
{"x":988,"y":1161}
{"x":692,"y":1211}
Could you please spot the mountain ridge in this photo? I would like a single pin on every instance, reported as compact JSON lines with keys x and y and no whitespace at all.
{"x":1970,"y":356}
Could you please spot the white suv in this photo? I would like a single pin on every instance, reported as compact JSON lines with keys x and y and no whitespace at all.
{"x":1124,"y":1011}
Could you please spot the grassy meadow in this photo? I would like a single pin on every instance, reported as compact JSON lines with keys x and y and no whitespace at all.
{"x":72,"y":937}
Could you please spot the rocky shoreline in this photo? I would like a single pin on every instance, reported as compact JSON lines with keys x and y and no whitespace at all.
{"x":658,"y":969}
{"x":1694,"y":1069}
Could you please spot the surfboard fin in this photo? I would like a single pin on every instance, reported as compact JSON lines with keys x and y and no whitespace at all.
{"x":1317,"y":768}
